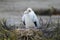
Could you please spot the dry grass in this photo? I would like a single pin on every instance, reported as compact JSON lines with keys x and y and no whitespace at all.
{"x":29,"y":34}
{"x":26,"y":34}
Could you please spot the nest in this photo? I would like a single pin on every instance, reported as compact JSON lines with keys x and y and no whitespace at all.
{"x":28,"y":34}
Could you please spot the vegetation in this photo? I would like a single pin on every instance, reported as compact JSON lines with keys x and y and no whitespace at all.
{"x":49,"y":11}
{"x":31,"y":34}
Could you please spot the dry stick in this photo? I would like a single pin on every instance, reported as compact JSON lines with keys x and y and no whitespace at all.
{"x":27,"y":37}
{"x":35,"y":38}
{"x":20,"y":39}
{"x":38,"y":37}
{"x":32,"y":38}
{"x":24,"y":38}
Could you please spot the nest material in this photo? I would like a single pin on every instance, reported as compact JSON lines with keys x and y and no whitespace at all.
{"x":29,"y":34}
